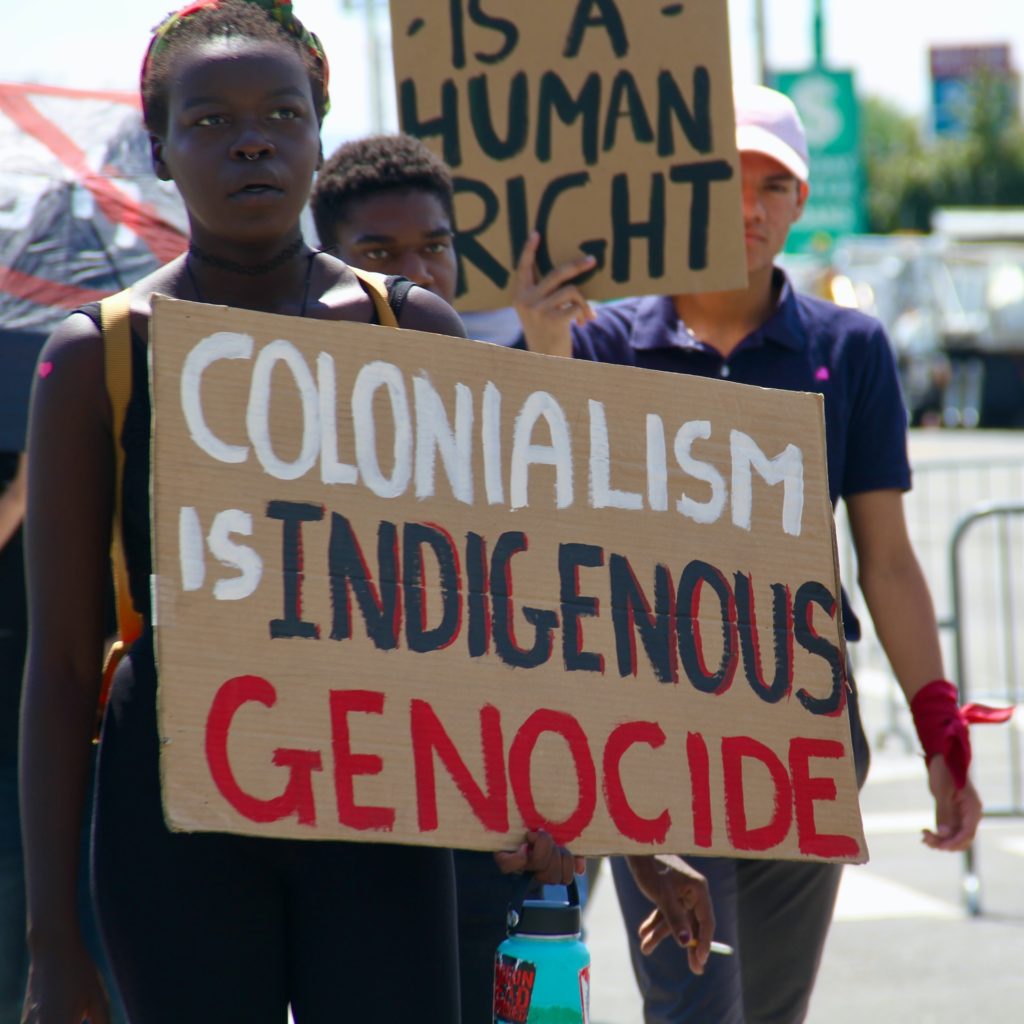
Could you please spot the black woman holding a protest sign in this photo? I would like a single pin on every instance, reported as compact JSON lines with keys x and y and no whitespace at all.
{"x":199,"y":927}
{"x":777,"y":913}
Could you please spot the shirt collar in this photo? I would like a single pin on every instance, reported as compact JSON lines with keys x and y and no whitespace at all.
{"x":657,"y":325}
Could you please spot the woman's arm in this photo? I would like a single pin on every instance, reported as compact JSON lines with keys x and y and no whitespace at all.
{"x":67,"y":544}
{"x":901,"y":608}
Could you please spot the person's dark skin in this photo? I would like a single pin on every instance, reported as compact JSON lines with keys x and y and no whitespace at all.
{"x":682,"y":902}
{"x":242,"y":144}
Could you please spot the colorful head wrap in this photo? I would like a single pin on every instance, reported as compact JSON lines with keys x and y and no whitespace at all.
{"x":279,"y":10}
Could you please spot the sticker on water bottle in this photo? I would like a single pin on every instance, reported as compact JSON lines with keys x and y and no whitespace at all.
{"x":585,"y":993}
{"x":513,"y":989}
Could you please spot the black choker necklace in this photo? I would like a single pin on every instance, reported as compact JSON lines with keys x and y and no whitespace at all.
{"x":249,"y":269}
{"x":310,"y":259}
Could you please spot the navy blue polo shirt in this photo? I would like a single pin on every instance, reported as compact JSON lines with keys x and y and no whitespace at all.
{"x":807,"y":344}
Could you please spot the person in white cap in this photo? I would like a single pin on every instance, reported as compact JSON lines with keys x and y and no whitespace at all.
{"x":777,"y":913}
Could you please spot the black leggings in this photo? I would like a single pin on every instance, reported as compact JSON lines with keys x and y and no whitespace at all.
{"x":224,"y":928}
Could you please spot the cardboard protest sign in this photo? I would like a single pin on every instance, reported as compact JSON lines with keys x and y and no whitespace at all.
{"x":605,"y":125}
{"x":419,"y":589}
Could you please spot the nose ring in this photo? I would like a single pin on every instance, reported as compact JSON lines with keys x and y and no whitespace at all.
{"x":251,"y":156}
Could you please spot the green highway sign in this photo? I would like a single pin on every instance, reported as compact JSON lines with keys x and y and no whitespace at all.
{"x":828,"y":106}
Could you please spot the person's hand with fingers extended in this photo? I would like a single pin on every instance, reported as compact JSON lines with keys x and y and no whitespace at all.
{"x":549,"y":306}
{"x":683,"y":906}
{"x":550,"y":863}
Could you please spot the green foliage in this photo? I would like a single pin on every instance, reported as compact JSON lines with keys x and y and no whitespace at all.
{"x":908,"y":176}
{"x":896,"y":169}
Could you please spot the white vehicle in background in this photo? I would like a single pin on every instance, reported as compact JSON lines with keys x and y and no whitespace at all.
{"x":953,"y":305}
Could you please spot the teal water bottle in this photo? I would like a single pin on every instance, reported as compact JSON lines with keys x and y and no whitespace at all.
{"x":542,"y":970}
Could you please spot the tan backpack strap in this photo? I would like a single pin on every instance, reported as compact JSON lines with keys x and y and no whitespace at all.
{"x":376,"y":286}
{"x":115,"y":322}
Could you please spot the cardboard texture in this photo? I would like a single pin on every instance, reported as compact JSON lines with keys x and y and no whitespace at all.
{"x":606,"y":126}
{"x":532,"y":592}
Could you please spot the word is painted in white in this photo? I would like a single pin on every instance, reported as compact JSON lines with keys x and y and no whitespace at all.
{"x":425,"y":435}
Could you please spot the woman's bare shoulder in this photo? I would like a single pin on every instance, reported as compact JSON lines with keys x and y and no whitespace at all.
{"x":338,"y":293}
{"x":74,"y":346}
{"x":70,"y":370}
{"x":78,"y":337}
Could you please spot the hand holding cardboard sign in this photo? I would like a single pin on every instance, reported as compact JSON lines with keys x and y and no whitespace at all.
{"x":550,"y":863}
{"x":547,"y":307}
{"x":683,"y":906}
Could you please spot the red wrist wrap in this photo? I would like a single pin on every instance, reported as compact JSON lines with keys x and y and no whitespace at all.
{"x":942,"y":725}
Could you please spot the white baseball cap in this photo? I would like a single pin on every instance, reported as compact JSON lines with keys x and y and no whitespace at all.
{"x":767,"y":122}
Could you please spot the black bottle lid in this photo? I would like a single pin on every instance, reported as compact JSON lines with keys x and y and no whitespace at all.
{"x":547,"y":917}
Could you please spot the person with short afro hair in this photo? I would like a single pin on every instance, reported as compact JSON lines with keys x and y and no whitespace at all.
{"x":386,"y":203}
{"x":369,"y":166}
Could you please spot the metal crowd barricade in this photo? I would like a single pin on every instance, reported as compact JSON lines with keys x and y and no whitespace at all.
{"x":966,"y":522}
{"x":988,"y":652}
